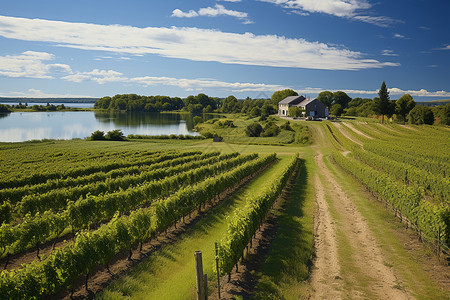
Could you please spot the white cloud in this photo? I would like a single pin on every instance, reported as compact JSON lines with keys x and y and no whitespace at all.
{"x":231,"y":0}
{"x":190,"y":43}
{"x":350,"y":9}
{"x":105,"y":76}
{"x":199,"y":84}
{"x":444,"y":48}
{"x":31,"y":64}
{"x":392,"y":91}
{"x":218,"y":10}
{"x":34,"y":93}
{"x":419,"y":93}
{"x":399,"y":36}
{"x":99,"y":76}
{"x":388,"y":53}
{"x":181,"y":14}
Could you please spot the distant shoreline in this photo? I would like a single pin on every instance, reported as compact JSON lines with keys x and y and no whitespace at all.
{"x":47,"y":100}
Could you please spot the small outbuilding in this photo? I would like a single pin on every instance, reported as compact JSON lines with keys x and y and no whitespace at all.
{"x":312,"y":107}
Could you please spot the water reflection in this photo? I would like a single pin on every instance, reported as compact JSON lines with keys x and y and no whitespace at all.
{"x":23,"y":126}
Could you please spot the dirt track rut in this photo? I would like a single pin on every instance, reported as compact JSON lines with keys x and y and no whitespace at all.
{"x":328,"y":279}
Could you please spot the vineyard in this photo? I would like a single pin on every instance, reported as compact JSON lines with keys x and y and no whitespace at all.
{"x":121,"y":220}
{"x":101,"y":204}
{"x":405,"y":166}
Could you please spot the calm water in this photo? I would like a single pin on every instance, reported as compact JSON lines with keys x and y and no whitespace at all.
{"x":76,"y":105}
{"x":24,"y":126}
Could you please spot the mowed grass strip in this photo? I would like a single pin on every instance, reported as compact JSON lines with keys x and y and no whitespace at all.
{"x":285,"y":271}
{"x":169,"y":273}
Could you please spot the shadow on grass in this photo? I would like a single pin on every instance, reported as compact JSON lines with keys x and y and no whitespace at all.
{"x":290,"y":253}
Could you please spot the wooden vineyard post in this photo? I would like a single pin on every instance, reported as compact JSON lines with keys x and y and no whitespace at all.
{"x":199,"y":274}
{"x":217,"y":269}
{"x":205,"y":286}
{"x":439,"y":242}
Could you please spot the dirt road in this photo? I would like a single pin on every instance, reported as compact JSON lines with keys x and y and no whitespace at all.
{"x":349,"y":263}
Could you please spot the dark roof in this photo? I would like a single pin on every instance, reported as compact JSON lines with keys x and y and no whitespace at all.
{"x":292,"y":100}
{"x":305,"y":102}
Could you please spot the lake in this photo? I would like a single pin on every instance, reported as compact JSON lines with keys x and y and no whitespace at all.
{"x":74,"y":104}
{"x":25,"y":126}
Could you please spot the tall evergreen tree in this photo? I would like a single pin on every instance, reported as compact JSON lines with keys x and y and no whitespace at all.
{"x":383,"y":104}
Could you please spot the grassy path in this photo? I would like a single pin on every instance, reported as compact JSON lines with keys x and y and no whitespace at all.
{"x":373,"y":260}
{"x":169,"y":273}
{"x":285,"y":270}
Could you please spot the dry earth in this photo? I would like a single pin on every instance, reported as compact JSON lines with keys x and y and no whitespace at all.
{"x":346,"y":134}
{"x":357,"y":131}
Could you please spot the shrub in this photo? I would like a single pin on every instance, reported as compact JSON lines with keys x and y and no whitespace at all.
{"x":4,"y":108}
{"x":287,"y":126}
{"x":98,"y":135}
{"x":254,"y":130}
{"x":197,"y":120}
{"x":209,"y":135}
{"x":421,"y":115}
{"x":295,"y":112}
{"x":115,"y":135}
{"x":225,"y":124}
{"x":271,"y":130}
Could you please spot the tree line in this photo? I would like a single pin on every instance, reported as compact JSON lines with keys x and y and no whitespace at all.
{"x":403,"y":110}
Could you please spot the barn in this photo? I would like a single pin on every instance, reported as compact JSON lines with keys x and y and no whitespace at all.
{"x":311,"y":107}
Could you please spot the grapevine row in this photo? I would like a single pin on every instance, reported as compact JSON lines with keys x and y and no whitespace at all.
{"x":57,"y":199}
{"x":408,"y":199}
{"x":36,"y":230}
{"x":63,"y":266}
{"x":437,"y":185}
{"x":14,"y":195}
{"x":415,"y":144}
{"x":244,"y":223}
{"x":397,"y":153}
{"x":22,"y":162}
{"x":79,"y":171}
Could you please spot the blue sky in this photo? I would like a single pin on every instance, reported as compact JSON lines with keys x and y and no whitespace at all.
{"x":233,"y":47}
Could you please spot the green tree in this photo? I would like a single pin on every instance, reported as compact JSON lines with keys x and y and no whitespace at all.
{"x":280,"y":95}
{"x":255,"y":112}
{"x":403,"y":106}
{"x":442,"y":114}
{"x":421,"y":115}
{"x":268,"y":109}
{"x":341,"y":98}
{"x":336,"y":110}
{"x":383,"y":106}
{"x":229,"y":104}
{"x":326,"y":97}
{"x":254,"y":130}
